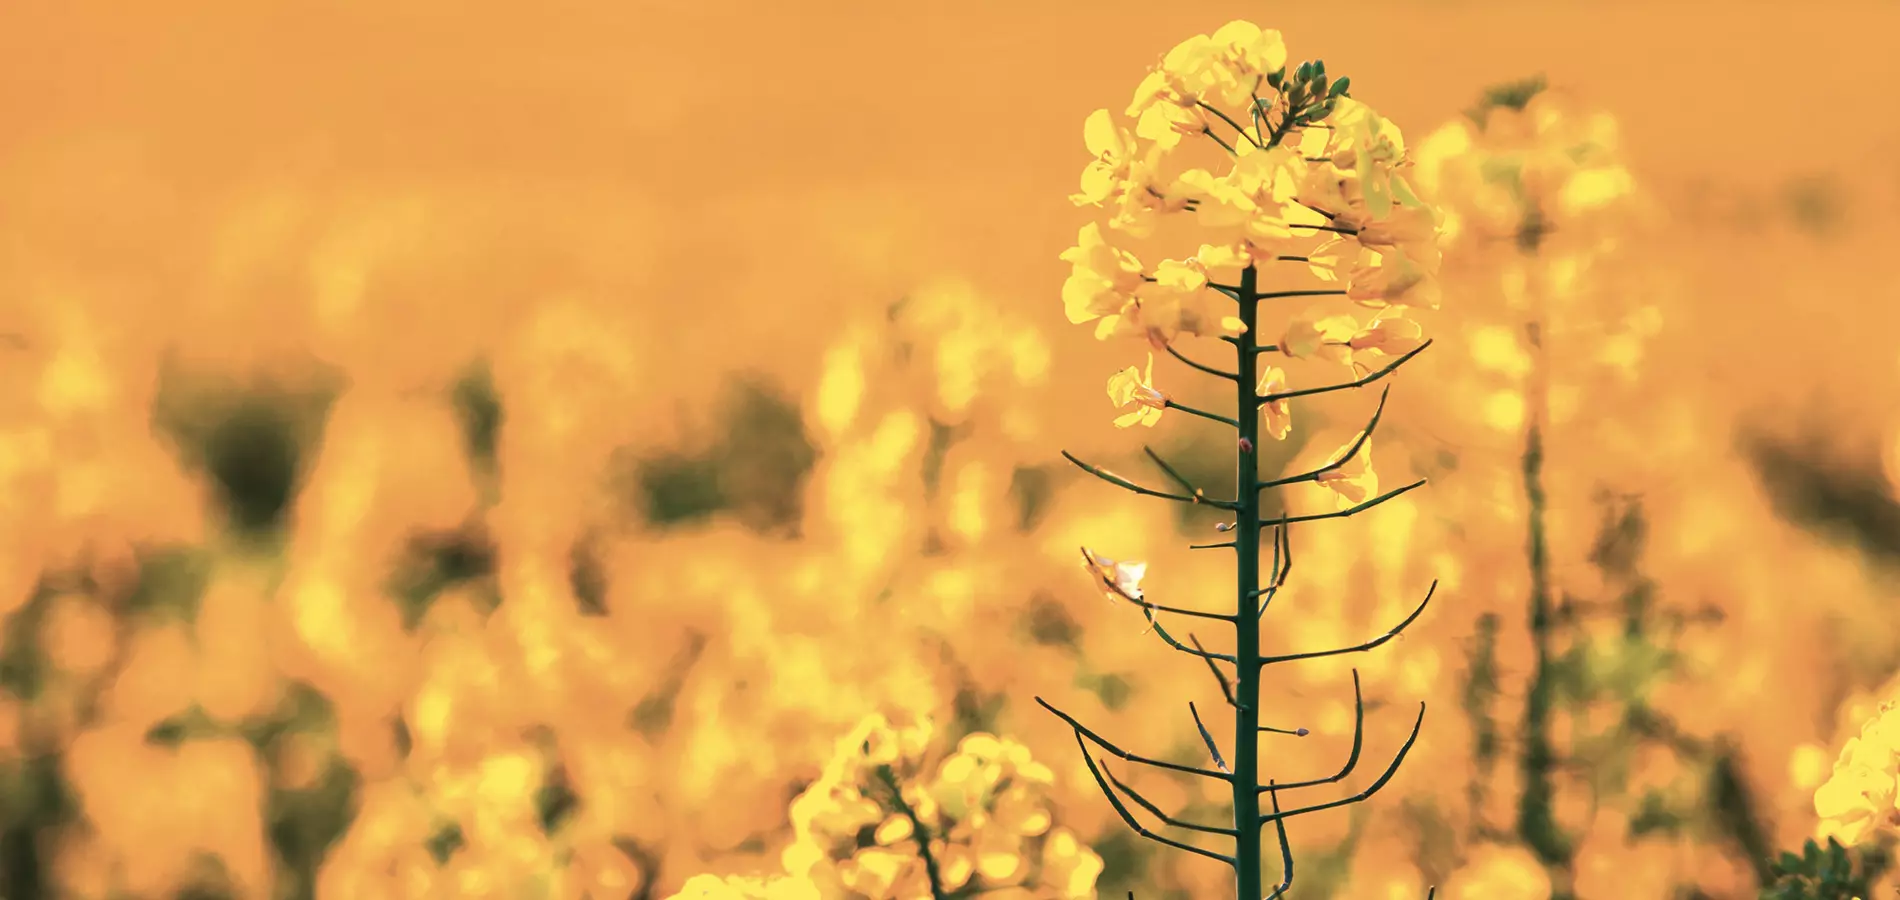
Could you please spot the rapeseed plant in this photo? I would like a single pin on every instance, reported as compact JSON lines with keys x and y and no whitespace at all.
{"x":1294,"y":176}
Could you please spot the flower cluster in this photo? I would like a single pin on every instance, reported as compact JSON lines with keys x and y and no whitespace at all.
{"x":882,"y":823}
{"x":1525,"y":161}
{"x":1308,"y":174}
{"x":1272,"y":165}
{"x":1858,"y":801}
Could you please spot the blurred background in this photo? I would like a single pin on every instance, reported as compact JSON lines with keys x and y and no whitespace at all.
{"x":467,"y":450}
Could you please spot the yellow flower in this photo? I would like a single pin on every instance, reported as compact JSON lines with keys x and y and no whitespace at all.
{"x":1180,"y":276}
{"x":1332,"y":258}
{"x":1404,"y":226}
{"x":1069,"y":866}
{"x":1309,"y":335}
{"x":1860,"y":796}
{"x":714,"y":887}
{"x":1277,"y":414}
{"x":1255,"y":197}
{"x":1221,"y":69}
{"x":1388,"y":336}
{"x":1371,"y":147}
{"x":1103,"y":279}
{"x":1391,"y":278}
{"x":1116,"y":578}
{"x":1249,"y":49}
{"x":1137,"y":387}
{"x":1354,"y":480}
{"x":1114,"y":151}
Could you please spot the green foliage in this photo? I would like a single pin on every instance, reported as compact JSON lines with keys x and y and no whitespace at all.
{"x":1833,"y":873}
{"x":1507,"y":95}
{"x":753,"y":468}
{"x":252,"y":442}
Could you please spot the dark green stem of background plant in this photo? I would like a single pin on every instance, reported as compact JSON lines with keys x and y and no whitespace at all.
{"x":1536,"y":816}
{"x":1246,"y":782}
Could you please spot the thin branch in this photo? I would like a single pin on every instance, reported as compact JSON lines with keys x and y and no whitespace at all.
{"x":1229,"y":120}
{"x":1212,"y":417}
{"x":917,"y":833}
{"x":1390,"y":771}
{"x":1348,"y":511}
{"x":1223,"y":144}
{"x":1155,"y":811}
{"x":1226,"y":684}
{"x":1349,"y":385}
{"x":1201,"y":654}
{"x":1125,"y":484}
{"x":1208,"y":739}
{"x":1147,"y":605}
{"x":1129,"y":818}
{"x":1119,"y":753}
{"x":1315,"y":292}
{"x":1352,"y":759}
{"x":1212,"y":546}
{"x":1218,"y":373}
{"x":1395,"y":632}
{"x":1286,"y":848}
{"x":1183,"y":482}
{"x":1344,"y":458}
{"x":1282,"y":564}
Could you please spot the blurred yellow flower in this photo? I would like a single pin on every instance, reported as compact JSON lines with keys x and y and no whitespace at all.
{"x":1386,"y":336}
{"x":1354,"y":480}
{"x":1133,"y":386}
{"x":1311,"y":335}
{"x":1277,"y":415}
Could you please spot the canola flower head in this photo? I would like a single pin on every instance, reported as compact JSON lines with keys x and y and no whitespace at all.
{"x":984,"y":810}
{"x":1529,"y":154}
{"x":1274,"y":165}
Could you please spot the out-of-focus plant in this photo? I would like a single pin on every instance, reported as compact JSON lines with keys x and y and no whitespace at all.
{"x":1833,"y":873}
{"x":1537,"y":200}
{"x":1289,"y":179}
{"x":881,"y":822}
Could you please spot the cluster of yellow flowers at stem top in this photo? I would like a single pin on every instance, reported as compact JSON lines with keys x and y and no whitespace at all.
{"x":881,"y":823}
{"x":1282,"y":172}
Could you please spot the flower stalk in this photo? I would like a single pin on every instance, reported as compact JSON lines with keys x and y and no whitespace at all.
{"x":1314,"y":185}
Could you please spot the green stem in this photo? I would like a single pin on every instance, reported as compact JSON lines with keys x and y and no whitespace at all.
{"x":917,"y":832}
{"x":1536,"y":817}
{"x":1249,"y":883}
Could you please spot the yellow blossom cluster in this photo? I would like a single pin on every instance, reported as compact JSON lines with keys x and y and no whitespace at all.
{"x":1271,"y":165}
{"x":1308,"y":174}
{"x":1522,"y":166}
{"x":882,"y":823}
{"x":1858,"y":801}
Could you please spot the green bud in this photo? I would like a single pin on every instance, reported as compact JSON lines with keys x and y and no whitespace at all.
{"x":1304,"y":73}
{"x":1319,"y":85}
{"x":1319,"y":68}
{"x":1340,"y":86}
{"x":1275,"y":77}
